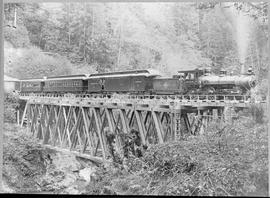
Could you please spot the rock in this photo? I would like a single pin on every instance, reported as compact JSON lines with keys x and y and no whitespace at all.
{"x":108,"y":191}
{"x":6,"y":188}
{"x":68,"y":181}
{"x":71,"y":190}
{"x":65,"y":162}
{"x":136,"y":186}
{"x":86,"y":173}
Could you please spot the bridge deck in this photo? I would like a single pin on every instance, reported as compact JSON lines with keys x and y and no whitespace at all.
{"x":161,"y":102}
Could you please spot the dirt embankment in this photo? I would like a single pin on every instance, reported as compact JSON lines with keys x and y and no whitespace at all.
{"x":32,"y":168}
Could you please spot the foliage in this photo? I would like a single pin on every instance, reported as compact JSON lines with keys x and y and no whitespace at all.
{"x":18,"y":36}
{"x":11,"y":104}
{"x":256,"y":112}
{"x":226,"y":160}
{"x":113,"y":36}
{"x":32,"y":63}
{"x":165,"y":36}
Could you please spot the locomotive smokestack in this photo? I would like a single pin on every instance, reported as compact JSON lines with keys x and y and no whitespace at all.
{"x":242,"y":68}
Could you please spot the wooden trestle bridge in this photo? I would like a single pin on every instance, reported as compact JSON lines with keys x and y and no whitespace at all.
{"x":79,"y":123}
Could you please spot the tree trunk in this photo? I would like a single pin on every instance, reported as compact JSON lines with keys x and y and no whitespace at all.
{"x":92,"y":36}
{"x":258,"y":58}
{"x":84,"y":33}
{"x":92,"y":33}
{"x":69,"y":23}
{"x":15,"y":17}
{"x":120,"y":42}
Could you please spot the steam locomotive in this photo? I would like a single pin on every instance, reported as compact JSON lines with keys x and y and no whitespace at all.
{"x":147,"y":81}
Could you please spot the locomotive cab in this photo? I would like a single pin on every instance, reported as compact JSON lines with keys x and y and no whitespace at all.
{"x":191,"y":79}
{"x":191,"y":75}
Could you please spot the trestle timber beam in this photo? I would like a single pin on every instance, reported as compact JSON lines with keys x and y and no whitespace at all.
{"x":83,"y":127}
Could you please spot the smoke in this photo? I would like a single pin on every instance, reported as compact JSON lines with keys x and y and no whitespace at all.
{"x":241,"y":26}
{"x":242,"y":35}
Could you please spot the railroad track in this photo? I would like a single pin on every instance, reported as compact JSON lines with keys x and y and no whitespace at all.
{"x":167,"y":98}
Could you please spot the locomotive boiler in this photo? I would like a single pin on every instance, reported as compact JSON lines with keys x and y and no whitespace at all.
{"x":227,"y":84}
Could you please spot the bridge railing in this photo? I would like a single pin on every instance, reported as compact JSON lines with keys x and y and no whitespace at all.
{"x":182,"y":98}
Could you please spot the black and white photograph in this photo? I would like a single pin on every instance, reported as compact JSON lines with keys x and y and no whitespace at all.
{"x":135,"y":98}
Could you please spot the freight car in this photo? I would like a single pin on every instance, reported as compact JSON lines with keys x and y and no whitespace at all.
{"x":138,"y":81}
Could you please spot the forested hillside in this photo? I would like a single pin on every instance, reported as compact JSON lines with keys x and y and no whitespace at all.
{"x":64,"y":38}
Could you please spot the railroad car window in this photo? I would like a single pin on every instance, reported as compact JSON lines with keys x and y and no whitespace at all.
{"x":190,"y":76}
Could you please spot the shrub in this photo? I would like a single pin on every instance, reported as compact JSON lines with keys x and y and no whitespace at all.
{"x":225,"y":160}
{"x":11,"y":103}
{"x":256,"y":112}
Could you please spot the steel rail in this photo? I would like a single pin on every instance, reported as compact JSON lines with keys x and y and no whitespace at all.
{"x":179,"y":98}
